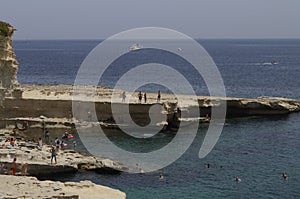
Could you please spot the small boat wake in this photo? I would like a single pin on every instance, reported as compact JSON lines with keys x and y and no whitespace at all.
{"x":270,"y":63}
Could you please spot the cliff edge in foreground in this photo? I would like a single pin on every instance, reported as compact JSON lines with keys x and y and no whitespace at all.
{"x":15,"y":187}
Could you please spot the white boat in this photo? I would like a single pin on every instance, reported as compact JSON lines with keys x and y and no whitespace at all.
{"x":274,"y":63}
{"x":134,"y":47}
{"x":271,"y":63}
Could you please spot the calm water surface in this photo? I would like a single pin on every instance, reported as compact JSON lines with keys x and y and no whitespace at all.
{"x":255,"y":149}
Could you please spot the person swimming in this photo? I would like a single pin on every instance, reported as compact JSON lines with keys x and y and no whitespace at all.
{"x":207,"y":165}
{"x":237,"y":179}
{"x":161,"y":176}
{"x":284,"y":175}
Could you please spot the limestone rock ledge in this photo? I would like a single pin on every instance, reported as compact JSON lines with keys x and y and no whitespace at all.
{"x":68,"y":161}
{"x":15,"y":187}
{"x":37,"y":98}
{"x":239,"y":107}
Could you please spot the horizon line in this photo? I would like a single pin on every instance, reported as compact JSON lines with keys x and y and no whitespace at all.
{"x":97,"y":39}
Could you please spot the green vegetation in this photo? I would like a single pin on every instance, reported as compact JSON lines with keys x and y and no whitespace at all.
{"x":6,"y":29}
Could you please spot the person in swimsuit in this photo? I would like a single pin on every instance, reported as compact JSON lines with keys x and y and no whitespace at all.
{"x":158,"y":96}
{"x":14,"y":166}
{"x":53,"y":154}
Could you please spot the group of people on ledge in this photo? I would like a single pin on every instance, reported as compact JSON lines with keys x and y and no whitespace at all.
{"x":141,"y":96}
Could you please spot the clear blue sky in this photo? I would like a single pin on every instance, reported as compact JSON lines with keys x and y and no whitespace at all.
{"x":98,"y":19}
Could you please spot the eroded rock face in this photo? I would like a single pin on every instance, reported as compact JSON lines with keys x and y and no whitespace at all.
{"x":8,"y":63}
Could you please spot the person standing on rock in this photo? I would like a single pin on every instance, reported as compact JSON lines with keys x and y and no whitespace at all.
{"x":140,"y":96}
{"x":14,"y":166}
{"x":47,"y":135}
{"x":74,"y":144}
{"x":57,"y":143}
{"x":158,"y":96}
{"x":53,"y":155}
{"x":16,"y":126}
{"x":123,"y":96}
{"x":89,"y":116}
{"x":43,"y":124}
{"x":145,"y":97}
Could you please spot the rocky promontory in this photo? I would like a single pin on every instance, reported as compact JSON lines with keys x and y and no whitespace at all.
{"x":57,"y":101}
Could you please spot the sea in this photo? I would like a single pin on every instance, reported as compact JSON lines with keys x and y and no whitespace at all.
{"x":256,"y":149}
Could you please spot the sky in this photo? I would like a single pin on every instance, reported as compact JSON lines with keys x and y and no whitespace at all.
{"x":99,"y":19}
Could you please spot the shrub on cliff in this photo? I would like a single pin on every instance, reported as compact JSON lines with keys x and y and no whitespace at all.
{"x":6,"y":29}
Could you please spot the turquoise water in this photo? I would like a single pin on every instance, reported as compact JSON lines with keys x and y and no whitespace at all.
{"x":257,"y":150}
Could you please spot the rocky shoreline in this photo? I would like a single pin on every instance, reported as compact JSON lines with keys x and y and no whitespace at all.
{"x":32,"y":160}
{"x":16,"y":187}
{"x":53,"y":105}
{"x":38,"y":158}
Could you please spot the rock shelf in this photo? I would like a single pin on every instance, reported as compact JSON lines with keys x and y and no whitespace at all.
{"x":16,"y":187}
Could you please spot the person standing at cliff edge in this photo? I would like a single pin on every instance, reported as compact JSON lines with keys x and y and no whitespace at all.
{"x":158,"y":96}
{"x":123,"y":96}
{"x":140,"y":96}
{"x":145,"y":97}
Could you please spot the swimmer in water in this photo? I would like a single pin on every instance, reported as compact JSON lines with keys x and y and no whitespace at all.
{"x":207,"y":165}
{"x":161,"y":176}
{"x":237,"y":179}
{"x":284,"y":175}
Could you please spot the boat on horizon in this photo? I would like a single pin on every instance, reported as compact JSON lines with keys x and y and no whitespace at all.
{"x":271,"y":63}
{"x":274,"y":63}
{"x":134,"y":47}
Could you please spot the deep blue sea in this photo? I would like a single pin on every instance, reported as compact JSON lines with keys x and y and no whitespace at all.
{"x":256,"y":149}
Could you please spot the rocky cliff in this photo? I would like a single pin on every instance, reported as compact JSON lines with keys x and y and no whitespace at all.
{"x":55,"y":101}
{"x":8,"y":63}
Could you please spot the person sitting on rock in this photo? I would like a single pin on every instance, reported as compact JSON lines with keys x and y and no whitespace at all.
{"x":12,"y":142}
{"x":62,"y":144}
{"x":24,"y":170}
{"x":40,"y":143}
{"x":65,"y":135}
